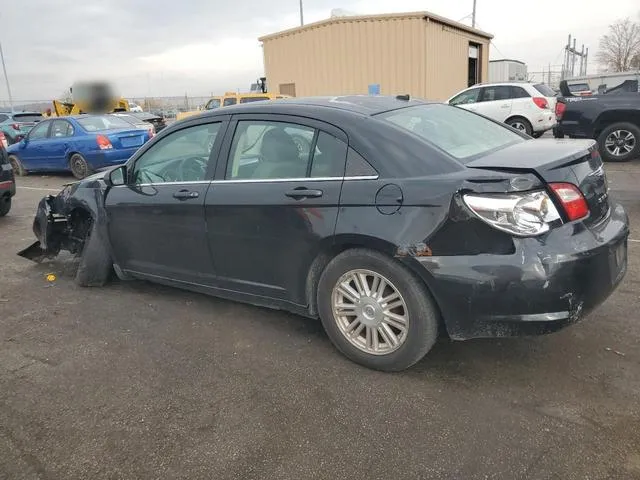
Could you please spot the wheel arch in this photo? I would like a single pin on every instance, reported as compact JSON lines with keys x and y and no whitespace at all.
{"x":342,"y":243}
{"x":608,"y":118}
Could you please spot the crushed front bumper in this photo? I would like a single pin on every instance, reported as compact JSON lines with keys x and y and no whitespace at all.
{"x":51,"y":230}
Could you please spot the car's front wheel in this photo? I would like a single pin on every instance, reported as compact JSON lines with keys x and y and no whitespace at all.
{"x":5,"y":205}
{"x":375,"y":311}
{"x":619,"y":142}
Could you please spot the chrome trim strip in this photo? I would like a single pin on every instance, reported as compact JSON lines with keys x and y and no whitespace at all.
{"x":256,"y":180}
{"x":530,"y":317}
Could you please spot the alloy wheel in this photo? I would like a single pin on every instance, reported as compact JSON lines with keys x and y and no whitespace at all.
{"x":519,"y":126}
{"x":370,"y":312}
{"x":620,"y":142}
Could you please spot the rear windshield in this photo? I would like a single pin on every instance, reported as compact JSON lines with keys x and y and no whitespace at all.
{"x":252,"y":99}
{"x":102,"y":122}
{"x":578,"y":87}
{"x":461,"y":134}
{"x":27,"y":117}
{"x":544,"y":90}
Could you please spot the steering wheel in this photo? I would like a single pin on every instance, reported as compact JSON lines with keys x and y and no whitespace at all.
{"x":192,"y":169}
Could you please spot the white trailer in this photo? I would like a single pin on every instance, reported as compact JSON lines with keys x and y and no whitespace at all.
{"x":602,"y":82}
{"x":507,"y":70}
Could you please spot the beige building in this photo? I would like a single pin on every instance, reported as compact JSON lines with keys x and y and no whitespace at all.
{"x":418,"y":53}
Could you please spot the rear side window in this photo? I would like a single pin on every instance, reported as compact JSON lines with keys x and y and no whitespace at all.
{"x":461,"y":134}
{"x":328,"y":157}
{"x":357,"y":166}
{"x":498,"y":92}
{"x":544,"y":90}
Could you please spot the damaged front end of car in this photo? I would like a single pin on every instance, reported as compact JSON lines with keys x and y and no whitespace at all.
{"x":63,"y":221}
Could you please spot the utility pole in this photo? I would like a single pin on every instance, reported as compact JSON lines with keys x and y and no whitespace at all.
{"x":6,"y":78}
{"x":301,"y":14}
{"x":473,"y":15}
{"x":569,"y":62}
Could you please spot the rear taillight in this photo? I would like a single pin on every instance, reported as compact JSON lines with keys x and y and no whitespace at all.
{"x":541,"y":102}
{"x":572,"y":200}
{"x":15,"y":126}
{"x":523,"y":214}
{"x":3,"y":140}
{"x":560,"y":108}
{"x":103,"y":142}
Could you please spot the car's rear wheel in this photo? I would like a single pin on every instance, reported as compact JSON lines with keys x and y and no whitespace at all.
{"x":619,"y":142}
{"x":5,"y":205}
{"x":520,"y":123}
{"x":18,"y":169}
{"x":79,"y":166}
{"x":375,"y":311}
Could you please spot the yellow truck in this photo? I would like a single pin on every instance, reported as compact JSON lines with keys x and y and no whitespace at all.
{"x":89,"y":97}
{"x":231,"y":98}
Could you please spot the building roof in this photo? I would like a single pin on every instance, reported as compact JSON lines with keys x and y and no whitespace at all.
{"x":507,"y":60}
{"x":383,"y":17}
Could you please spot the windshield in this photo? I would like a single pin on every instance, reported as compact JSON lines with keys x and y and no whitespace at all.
{"x":460,"y":133}
{"x":102,"y":122}
{"x":544,"y":90}
{"x":27,"y":117}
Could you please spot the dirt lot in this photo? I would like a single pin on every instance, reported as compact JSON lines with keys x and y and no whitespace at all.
{"x":140,"y":381}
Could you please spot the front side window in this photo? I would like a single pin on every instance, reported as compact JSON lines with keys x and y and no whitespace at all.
{"x":60,"y":129}
{"x":466,"y":97}
{"x":460,"y":133}
{"x":229,"y":101}
{"x":39,"y":131}
{"x":182,"y":156}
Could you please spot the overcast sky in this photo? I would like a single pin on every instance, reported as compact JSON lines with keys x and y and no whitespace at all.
{"x":199,"y":47}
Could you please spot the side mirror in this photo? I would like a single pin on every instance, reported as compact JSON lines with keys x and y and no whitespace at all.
{"x":117,"y":176}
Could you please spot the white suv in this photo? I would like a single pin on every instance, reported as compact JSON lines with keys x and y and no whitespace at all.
{"x":529,"y":107}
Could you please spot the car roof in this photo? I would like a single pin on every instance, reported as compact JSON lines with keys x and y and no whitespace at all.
{"x":360,"y":104}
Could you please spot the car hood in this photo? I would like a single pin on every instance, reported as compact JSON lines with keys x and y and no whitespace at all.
{"x":94,"y":180}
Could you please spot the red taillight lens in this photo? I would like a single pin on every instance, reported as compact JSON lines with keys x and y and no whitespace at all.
{"x":541,"y":102}
{"x":571,"y":198}
{"x":103,"y":142}
{"x":560,"y":108}
{"x":15,"y":126}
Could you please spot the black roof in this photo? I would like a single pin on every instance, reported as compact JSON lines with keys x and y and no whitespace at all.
{"x":361,"y":104}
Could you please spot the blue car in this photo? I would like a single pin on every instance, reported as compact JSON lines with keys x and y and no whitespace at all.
{"x":79,"y":144}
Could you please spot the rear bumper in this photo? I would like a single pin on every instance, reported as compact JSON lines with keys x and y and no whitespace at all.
{"x":106,"y":158}
{"x":548,"y":283}
{"x":544,"y":121}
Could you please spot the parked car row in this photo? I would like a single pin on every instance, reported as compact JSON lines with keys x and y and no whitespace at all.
{"x":16,"y":125}
{"x":400,"y":219}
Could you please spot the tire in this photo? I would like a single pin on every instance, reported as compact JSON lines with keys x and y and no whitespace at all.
{"x":557,"y":133}
{"x":95,"y":265}
{"x":18,"y":169}
{"x":625,"y":137}
{"x":520,"y":123}
{"x":5,"y":205}
{"x":537,"y":134}
{"x":418,"y":308}
{"x":79,"y":166}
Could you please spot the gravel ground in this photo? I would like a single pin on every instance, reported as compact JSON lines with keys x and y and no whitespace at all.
{"x":140,"y":381}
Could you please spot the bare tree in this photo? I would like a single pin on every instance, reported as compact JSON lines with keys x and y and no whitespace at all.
{"x":620,"y":48}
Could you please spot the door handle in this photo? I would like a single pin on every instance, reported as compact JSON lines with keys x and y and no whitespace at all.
{"x":185,"y":195}
{"x":504,"y":106}
{"x":302,"y":192}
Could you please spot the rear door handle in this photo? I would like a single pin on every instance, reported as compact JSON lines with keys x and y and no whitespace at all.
{"x":185,"y":194}
{"x":302,"y":192}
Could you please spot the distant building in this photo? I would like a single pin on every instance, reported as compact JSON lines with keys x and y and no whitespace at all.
{"x":507,"y":70}
{"x":418,"y":53}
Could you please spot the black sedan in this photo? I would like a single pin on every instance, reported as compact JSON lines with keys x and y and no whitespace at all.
{"x":7,"y":182}
{"x":388,"y":218}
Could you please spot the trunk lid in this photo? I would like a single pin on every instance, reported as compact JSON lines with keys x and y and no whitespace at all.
{"x":570,"y":161}
{"x":121,"y":139}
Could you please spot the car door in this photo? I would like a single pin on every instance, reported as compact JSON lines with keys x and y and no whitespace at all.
{"x":467,"y":99}
{"x":156,"y":220}
{"x":495,"y":102}
{"x":58,"y":145}
{"x":32,"y":151}
{"x":275,"y":203}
